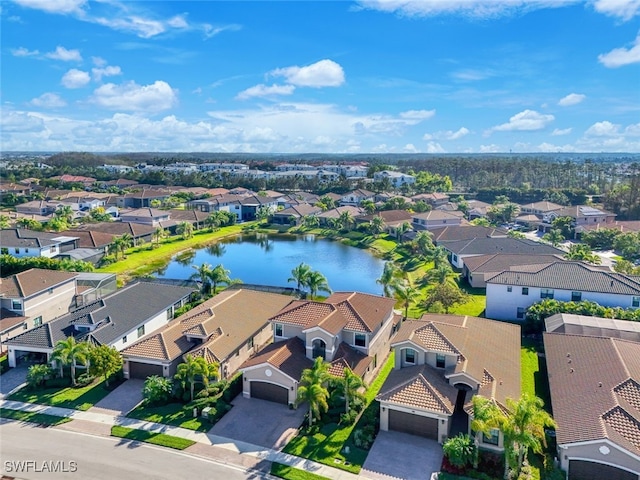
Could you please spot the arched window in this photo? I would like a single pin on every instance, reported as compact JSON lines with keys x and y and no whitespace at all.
{"x":319,"y":348}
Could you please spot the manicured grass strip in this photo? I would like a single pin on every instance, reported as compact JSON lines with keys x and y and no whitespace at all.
{"x":171,"y":414}
{"x":528,"y":367}
{"x":150,"y":437}
{"x":291,"y":473}
{"x":33,"y":417}
{"x":82,"y":398}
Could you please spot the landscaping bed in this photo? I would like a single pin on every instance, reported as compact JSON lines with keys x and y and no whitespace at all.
{"x":161,"y":439}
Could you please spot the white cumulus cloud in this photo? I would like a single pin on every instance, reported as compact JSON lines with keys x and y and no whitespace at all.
{"x":447,"y":134}
{"x":262,"y":90}
{"x":603,"y":129}
{"x":24,"y":52}
{"x":434,"y":147}
{"x":107,"y":71}
{"x":571,"y":99}
{"x":65,"y":55}
{"x":417,"y":114}
{"x":325,"y":73}
{"x":558,"y":132}
{"x":54,"y":6}
{"x":137,"y":98}
{"x":623,"y":9}
{"x":527,"y":120}
{"x":75,"y":78}
{"x":48,"y":100}
{"x":619,"y":57}
{"x":410,"y":148}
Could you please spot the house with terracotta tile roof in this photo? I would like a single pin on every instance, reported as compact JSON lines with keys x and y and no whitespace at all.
{"x":441,"y":362}
{"x":226,"y":329}
{"x":512,"y":291}
{"x":594,"y":383}
{"x":436,"y":218}
{"x":349,"y":330}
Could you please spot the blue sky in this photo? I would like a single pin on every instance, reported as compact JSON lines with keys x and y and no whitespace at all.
{"x":454,"y":76}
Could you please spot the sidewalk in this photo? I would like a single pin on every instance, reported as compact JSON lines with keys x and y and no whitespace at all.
{"x":232,"y":446}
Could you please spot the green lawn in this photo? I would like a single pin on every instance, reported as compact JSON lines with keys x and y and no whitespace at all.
{"x":533,"y":378}
{"x":32,"y":417}
{"x":82,"y":398}
{"x":327,"y":444}
{"x":149,"y":437}
{"x":171,"y":414}
{"x":291,"y":473}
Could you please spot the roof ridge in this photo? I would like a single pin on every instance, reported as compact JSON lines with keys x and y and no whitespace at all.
{"x":620,"y":357}
{"x":434,"y":392}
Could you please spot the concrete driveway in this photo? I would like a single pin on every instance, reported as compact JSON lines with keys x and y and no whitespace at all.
{"x":122,"y":400}
{"x":400,"y":455}
{"x":12,"y":379}
{"x":260,"y":422}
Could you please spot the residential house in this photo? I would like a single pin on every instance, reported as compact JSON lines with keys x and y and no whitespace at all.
{"x":478,"y":269}
{"x":571,"y":324}
{"x":434,"y":199}
{"x":396,"y":179}
{"x":145,"y":216}
{"x":581,"y":216}
{"x":349,"y":330}
{"x":250,"y":206}
{"x":455,"y":233}
{"x":393,"y":219}
{"x":226,"y":329}
{"x":67,"y":178}
{"x":461,"y":249}
{"x":294,"y":215}
{"x":477,"y":209}
{"x":138,"y":231}
{"x":331,"y":215}
{"x":540,"y":208}
{"x":441,"y":363}
{"x":116,"y":320}
{"x":18,"y":189}
{"x":594,"y":383}
{"x":356,"y":197}
{"x":623,"y":226}
{"x":143,"y":198}
{"x":436,"y":218}
{"x":43,"y":208}
{"x":21,"y":242}
{"x":511,"y":292}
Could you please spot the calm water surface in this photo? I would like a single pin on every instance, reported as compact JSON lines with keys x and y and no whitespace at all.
{"x":269,"y":259}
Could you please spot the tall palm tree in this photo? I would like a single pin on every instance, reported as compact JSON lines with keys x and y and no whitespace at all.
{"x":185,"y":229}
{"x":439,"y":256}
{"x":388,"y":278}
{"x":317,"y":282}
{"x":486,"y":417}
{"x":345,"y":220}
{"x":407,"y":295}
{"x":203,"y":273}
{"x":219,"y":275}
{"x":65,"y":212}
{"x":194,"y":368}
{"x":126,"y":241}
{"x":554,"y":237}
{"x":351,"y":385}
{"x":376,"y":225}
{"x":310,"y":221}
{"x":158,"y":234}
{"x":68,"y":352}
{"x":368,"y":206}
{"x":300,"y":274}
{"x":402,"y":229}
{"x":312,"y":389}
{"x":440,"y":274}
{"x":423,"y":243}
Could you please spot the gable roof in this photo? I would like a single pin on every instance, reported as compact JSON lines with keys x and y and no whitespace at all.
{"x":487,"y":350}
{"x":224,"y":322}
{"x":571,"y":276}
{"x":479,"y":246}
{"x":288,"y":356}
{"x":32,"y":281}
{"x":595,"y":389}
{"x":24,"y":238}
{"x":360,"y":312}
{"x":120,"y":228}
{"x":464,"y":232}
{"x":110,"y":318}
{"x":593,"y":326}
{"x":543,"y":206}
{"x":436,"y":215}
{"x":500,"y":262}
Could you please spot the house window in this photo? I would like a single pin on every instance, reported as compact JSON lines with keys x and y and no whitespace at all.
{"x":250,"y":344}
{"x":576,"y":296}
{"x":525,"y":290}
{"x":546,"y":293}
{"x":509,"y":289}
{"x":520,"y":313}
{"x":37,"y":321}
{"x":16,"y":305}
{"x":26,"y":250}
{"x":140,"y":331}
{"x":16,"y":250}
{"x":635,"y":302}
{"x":492,"y":438}
{"x":410,"y":356}
{"x":50,"y":291}
{"x":440,"y":360}
{"x":360,"y":340}
{"x":124,"y":339}
{"x":279,"y":330}
{"x":454,"y":258}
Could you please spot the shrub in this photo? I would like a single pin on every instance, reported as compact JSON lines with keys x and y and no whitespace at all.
{"x":459,"y":450}
{"x":349,"y":418}
{"x":38,"y":375}
{"x":84,"y":380}
{"x":157,"y":390}
{"x":364,"y":437}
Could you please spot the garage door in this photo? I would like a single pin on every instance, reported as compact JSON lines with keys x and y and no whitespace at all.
{"x":143,"y":370}
{"x":583,"y":470}
{"x":413,"y":424}
{"x":269,"y":391}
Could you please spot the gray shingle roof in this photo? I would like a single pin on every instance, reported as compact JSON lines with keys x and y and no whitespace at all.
{"x":113,"y":316}
{"x":571,"y":276}
{"x":480,"y":246}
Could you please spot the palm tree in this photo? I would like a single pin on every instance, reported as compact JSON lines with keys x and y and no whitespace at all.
{"x":376,"y":225}
{"x":524,"y":426}
{"x":300,"y":274}
{"x":312,"y":389}
{"x":203,"y":273}
{"x":486,"y":416}
{"x":158,"y":234}
{"x":126,"y":241}
{"x":310,"y":221}
{"x":554,"y":237}
{"x":407,"y":295}
{"x":423,"y":243}
{"x":402,"y":229}
{"x":219,"y":275}
{"x":185,"y":229}
{"x":192,"y":369}
{"x":4,"y":221}
{"x":68,"y":352}
{"x":65,"y":212}
{"x":345,"y":220}
{"x":213,"y":221}
{"x":317,"y":282}
{"x":439,"y":256}
{"x":439,"y":274}
{"x":351,"y":385}
{"x":388,"y":278}
{"x":581,"y":251}
{"x":368,"y":206}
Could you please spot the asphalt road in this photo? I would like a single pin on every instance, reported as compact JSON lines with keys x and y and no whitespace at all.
{"x":55,"y":454}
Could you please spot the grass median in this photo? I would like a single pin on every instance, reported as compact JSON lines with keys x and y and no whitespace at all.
{"x":290,"y":473}
{"x":33,"y":417}
{"x":160,"y":439}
